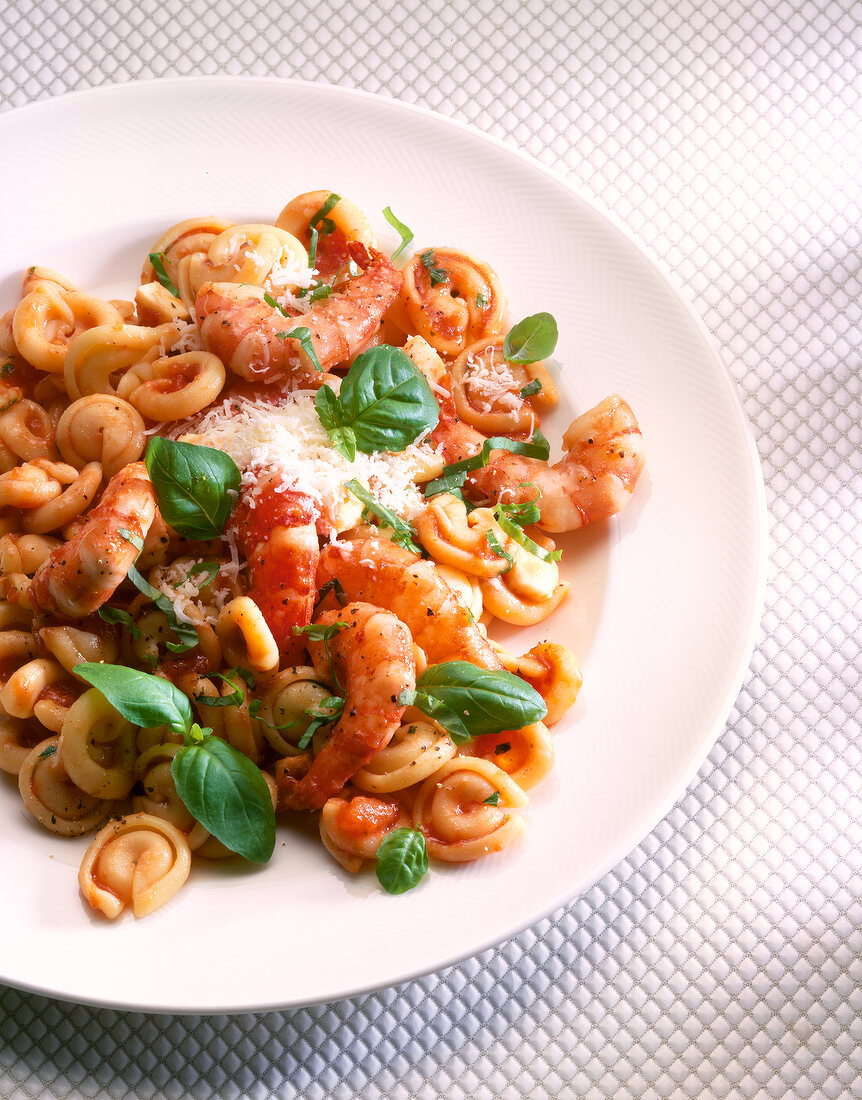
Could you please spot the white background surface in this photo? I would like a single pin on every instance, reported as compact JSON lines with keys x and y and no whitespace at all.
{"x":722,"y":957}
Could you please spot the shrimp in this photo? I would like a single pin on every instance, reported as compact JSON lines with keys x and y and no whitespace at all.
{"x":378,"y":570}
{"x":372,"y":658}
{"x":602,"y":461}
{"x":249,"y":336}
{"x":82,"y":574}
{"x":276,"y":530}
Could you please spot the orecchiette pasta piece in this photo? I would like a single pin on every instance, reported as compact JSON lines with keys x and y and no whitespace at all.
{"x":417,"y":749}
{"x":138,"y":860}
{"x":353,"y":829}
{"x":159,"y":793}
{"x":156,"y":305}
{"x":466,"y":588}
{"x":28,"y":684}
{"x":529,"y":591}
{"x":258,"y":254}
{"x":427,"y":360}
{"x":38,"y":273}
{"x":458,"y":813}
{"x":187,"y":238}
{"x":173,"y":387}
{"x":25,"y":553}
{"x":345,"y":220}
{"x":98,"y":747}
{"x":487,"y":389}
{"x":18,"y":737}
{"x":553,"y":671}
{"x":102,"y":429}
{"x":27,"y":430}
{"x":458,"y":538}
{"x":245,"y":638}
{"x":51,"y":796}
{"x":451,"y":299}
{"x":525,"y":755}
{"x":75,"y":499}
{"x":30,"y":485}
{"x":285,"y":698}
{"x":14,"y":615}
{"x":48,"y":319}
{"x":98,"y":354}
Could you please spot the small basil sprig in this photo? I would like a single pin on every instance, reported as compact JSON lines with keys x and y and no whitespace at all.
{"x":454,"y":475}
{"x":196,"y":487}
{"x":469,"y":701}
{"x":157,"y":259}
{"x":513,"y":522}
{"x":188,"y":636}
{"x":384,"y":404}
{"x":402,"y":860}
{"x":320,"y":221}
{"x":402,"y":533}
{"x":400,"y":227}
{"x":221,"y":788}
{"x":532,"y":339}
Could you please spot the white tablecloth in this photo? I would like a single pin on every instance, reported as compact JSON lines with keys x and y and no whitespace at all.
{"x":723,"y":957}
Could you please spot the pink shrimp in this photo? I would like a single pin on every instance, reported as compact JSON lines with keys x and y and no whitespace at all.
{"x":378,"y":570}
{"x":602,"y":461}
{"x":372,"y":659}
{"x":248,"y":335}
{"x":276,"y":531}
{"x":84,"y":572}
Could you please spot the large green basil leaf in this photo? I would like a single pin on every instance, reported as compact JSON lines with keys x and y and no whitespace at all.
{"x":469,"y":701}
{"x":227,"y":794}
{"x":142,"y":699}
{"x":402,"y":860}
{"x":196,"y":487}
{"x":532,"y":339}
{"x":384,"y":402}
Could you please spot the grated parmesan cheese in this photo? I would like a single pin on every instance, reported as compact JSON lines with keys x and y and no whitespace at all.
{"x":290,"y":438}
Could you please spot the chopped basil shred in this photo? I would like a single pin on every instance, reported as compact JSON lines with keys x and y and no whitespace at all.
{"x":157,"y":259}
{"x":320,"y":221}
{"x":532,"y":388}
{"x":302,"y":334}
{"x":403,"y":534}
{"x":435,"y":274}
{"x":406,"y":234}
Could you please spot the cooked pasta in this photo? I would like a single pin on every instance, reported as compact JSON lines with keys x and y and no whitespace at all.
{"x":281,"y":494}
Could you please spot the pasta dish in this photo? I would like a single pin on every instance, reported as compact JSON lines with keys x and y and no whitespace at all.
{"x":255,"y":523}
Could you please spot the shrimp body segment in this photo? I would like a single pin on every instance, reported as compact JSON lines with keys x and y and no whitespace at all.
{"x":277,"y":533}
{"x":83,"y":573}
{"x":372,"y":658}
{"x":379,"y":570}
{"x":248,"y":335}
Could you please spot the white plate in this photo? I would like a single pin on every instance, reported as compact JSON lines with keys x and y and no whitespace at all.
{"x":667,"y":595}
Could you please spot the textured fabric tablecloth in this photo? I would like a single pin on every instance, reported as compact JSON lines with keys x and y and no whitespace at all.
{"x":722,"y":957}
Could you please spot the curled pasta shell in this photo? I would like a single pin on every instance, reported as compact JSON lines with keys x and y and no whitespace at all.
{"x":455,"y":816}
{"x":25,"y":553}
{"x":353,"y":829}
{"x":98,"y":747}
{"x":173,"y":387}
{"x":75,"y":499}
{"x":138,"y":861}
{"x":27,"y":430}
{"x":245,"y":638}
{"x":98,"y":354}
{"x":553,"y":671}
{"x":51,"y":796}
{"x":48,"y":319}
{"x":525,"y":755}
{"x":285,"y":697}
{"x":156,"y":305}
{"x":487,"y":389}
{"x":27,"y":684}
{"x":417,"y":750}
{"x":104,"y":429}
{"x":451,"y":299}
{"x":18,"y":737}
{"x":504,"y":602}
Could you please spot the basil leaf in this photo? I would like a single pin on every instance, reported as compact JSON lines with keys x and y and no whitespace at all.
{"x":531,"y":387}
{"x":235,"y":699}
{"x":157,"y":259}
{"x":516,"y":532}
{"x":384,"y":401}
{"x":196,"y":487}
{"x":454,"y":475}
{"x":227,"y":794}
{"x":320,"y":221}
{"x":483,"y":700}
{"x":402,"y":860}
{"x":406,"y":234}
{"x":497,"y":548}
{"x":304,"y":337}
{"x":117,"y":615}
{"x":532,"y":339}
{"x":270,"y":301}
{"x":435,"y":274}
{"x":403,"y":533}
{"x":327,"y":710}
{"x":143,"y":699}
{"x":188,"y":636}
